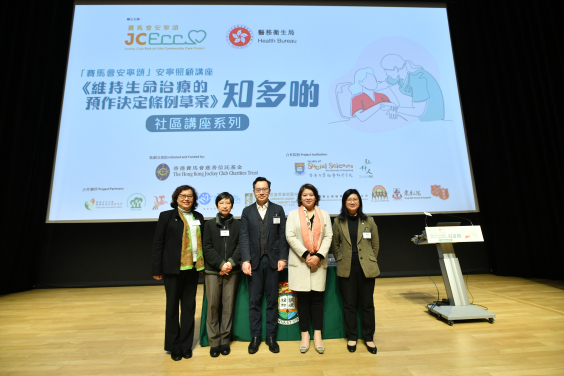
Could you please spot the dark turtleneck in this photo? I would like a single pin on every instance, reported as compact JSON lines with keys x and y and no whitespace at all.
{"x":353,"y":233}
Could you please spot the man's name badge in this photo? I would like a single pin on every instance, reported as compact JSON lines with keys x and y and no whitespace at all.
{"x":224,"y":232}
{"x":367,"y":235}
{"x":276,"y":220}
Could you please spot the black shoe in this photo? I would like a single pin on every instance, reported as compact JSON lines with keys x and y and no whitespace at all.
{"x":214,"y":352}
{"x":372,"y":350}
{"x":225,"y":349}
{"x":187,"y":354}
{"x":272,"y":345}
{"x":176,"y":355}
{"x":254,"y":345}
{"x":351,"y":348}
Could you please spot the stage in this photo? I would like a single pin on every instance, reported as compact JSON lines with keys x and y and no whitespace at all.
{"x":120,"y":331}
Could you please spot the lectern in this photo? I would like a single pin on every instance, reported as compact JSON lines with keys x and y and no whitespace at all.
{"x":459,"y":306}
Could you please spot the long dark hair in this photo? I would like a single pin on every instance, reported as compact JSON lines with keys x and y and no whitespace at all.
{"x":176,"y":193}
{"x":345,"y":212}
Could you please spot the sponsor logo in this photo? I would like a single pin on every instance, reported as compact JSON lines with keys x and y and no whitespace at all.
{"x":299,"y":168}
{"x":249,"y":199}
{"x":397,"y":194}
{"x":159,"y":201}
{"x":157,"y":35}
{"x":89,"y":205}
{"x":439,"y":192}
{"x":239,"y":36}
{"x":162,"y":172}
{"x":287,"y":305}
{"x":366,"y":169}
{"x":379,"y":193}
{"x":136,"y":202}
{"x":204,"y":198}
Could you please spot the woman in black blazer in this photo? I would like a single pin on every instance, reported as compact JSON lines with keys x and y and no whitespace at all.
{"x":177,"y":259}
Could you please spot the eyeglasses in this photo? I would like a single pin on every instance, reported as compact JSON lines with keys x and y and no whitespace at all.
{"x":259,"y":190}
{"x":351,"y":200}
{"x":183,"y":197}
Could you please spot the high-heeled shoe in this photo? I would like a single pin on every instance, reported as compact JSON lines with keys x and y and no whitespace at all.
{"x":372,"y":350}
{"x":351,"y":348}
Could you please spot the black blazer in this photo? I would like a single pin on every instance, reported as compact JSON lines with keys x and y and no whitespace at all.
{"x":249,"y":241}
{"x":167,"y":244}
{"x":220,"y":249}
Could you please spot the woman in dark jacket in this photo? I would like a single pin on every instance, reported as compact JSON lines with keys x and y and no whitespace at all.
{"x":223,"y":264}
{"x":177,"y":258}
{"x":355,"y":246}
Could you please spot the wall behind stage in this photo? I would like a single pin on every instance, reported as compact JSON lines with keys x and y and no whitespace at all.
{"x":117,"y":254}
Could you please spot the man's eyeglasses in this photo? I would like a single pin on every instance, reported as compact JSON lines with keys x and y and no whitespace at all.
{"x":259,"y":190}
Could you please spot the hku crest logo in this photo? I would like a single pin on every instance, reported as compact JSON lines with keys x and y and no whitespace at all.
{"x":439,"y":192}
{"x":299,"y":168}
{"x":287,"y":305}
{"x":239,"y":36}
{"x":397,"y":194}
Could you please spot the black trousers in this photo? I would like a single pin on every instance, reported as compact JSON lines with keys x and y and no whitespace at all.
{"x":310,"y":307}
{"x":263,"y":278}
{"x":179,"y":327}
{"x":353,"y":287}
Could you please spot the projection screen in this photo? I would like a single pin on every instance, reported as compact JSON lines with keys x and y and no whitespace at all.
{"x":213,"y":96}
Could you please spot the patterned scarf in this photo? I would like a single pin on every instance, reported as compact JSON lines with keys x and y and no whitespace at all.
{"x":312,"y":236}
{"x":186,"y":257}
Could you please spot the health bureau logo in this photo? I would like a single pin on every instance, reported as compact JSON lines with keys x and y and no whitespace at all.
{"x":239,"y":36}
{"x":287,"y":305}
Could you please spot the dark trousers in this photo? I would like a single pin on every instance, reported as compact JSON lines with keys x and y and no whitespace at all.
{"x":179,"y":328}
{"x":264,"y":277}
{"x":353,"y":287}
{"x":310,"y":307}
{"x":220,"y":291}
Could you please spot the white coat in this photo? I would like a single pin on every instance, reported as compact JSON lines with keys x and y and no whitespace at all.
{"x":300,"y":276}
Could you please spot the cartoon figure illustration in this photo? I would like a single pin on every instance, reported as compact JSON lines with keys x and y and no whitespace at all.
{"x":365,"y":97}
{"x":158,"y":202}
{"x":415,"y":82}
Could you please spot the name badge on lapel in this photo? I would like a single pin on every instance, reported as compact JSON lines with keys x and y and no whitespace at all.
{"x":366,"y":234}
{"x":276,"y":220}
{"x":224,"y":232}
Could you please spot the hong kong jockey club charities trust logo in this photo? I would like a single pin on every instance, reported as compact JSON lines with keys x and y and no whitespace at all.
{"x":439,"y":192}
{"x":204,"y":198}
{"x":287,"y":305}
{"x":162,"y":172}
{"x":239,"y":36}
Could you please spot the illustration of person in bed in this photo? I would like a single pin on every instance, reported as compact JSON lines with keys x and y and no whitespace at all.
{"x":415,"y":82}
{"x":367,"y":99}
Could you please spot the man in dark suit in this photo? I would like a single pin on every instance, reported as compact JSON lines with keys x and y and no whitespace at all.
{"x":264,"y":252}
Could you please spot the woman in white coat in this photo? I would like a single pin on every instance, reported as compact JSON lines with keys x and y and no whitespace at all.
{"x":309,"y":234}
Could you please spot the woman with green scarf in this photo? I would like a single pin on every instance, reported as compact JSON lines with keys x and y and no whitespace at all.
{"x":177,"y":259}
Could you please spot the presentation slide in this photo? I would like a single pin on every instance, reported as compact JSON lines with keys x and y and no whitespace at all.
{"x":214,"y":96}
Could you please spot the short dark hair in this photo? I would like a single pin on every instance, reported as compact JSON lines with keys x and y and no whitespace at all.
{"x":260,"y":178}
{"x":176,"y":193}
{"x":344,"y":211}
{"x":311,"y":188}
{"x":223,"y":195}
